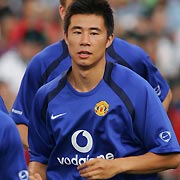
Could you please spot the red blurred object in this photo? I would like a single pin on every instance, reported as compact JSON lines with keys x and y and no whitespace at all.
{"x":27,"y":156}
{"x":174,"y":116}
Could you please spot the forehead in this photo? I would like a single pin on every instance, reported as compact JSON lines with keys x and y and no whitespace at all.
{"x":87,"y":21}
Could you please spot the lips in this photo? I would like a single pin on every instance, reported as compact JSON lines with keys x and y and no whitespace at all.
{"x":84,"y":54}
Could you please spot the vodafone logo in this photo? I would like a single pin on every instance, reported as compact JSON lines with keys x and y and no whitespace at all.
{"x":79,"y":137}
{"x":85,"y":134}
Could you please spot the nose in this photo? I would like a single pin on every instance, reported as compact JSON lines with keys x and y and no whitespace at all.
{"x":85,"y":39}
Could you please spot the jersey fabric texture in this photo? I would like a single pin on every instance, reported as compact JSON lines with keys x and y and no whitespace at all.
{"x":12,"y":160}
{"x":122,"y":116}
{"x":55,"y":59}
{"x":2,"y":106}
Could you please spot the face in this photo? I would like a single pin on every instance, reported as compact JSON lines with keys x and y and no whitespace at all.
{"x":87,"y":39}
{"x":62,"y":9}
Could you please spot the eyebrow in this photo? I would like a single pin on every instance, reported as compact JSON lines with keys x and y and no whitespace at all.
{"x":91,"y":28}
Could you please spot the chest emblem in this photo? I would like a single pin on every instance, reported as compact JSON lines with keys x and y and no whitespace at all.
{"x":101,"y":108}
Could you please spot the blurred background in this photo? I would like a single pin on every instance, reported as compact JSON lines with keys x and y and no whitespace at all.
{"x":27,"y":26}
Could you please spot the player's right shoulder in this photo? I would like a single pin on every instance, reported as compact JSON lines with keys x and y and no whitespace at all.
{"x":51,"y":88}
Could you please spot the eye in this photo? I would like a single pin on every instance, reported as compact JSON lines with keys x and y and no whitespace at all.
{"x":76,"y":32}
{"x":94,"y":33}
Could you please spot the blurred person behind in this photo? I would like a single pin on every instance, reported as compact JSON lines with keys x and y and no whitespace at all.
{"x":44,"y":19}
{"x":7,"y":22}
{"x":14,"y":62}
{"x":163,"y":25}
{"x":29,"y":18}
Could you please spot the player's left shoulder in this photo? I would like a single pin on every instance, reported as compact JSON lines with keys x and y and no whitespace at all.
{"x":123,"y":74}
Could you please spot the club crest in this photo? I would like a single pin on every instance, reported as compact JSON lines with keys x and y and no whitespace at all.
{"x":101,"y":108}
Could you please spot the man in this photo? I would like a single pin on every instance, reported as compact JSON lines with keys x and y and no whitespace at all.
{"x":12,"y":160}
{"x":98,"y":120}
{"x":55,"y":59}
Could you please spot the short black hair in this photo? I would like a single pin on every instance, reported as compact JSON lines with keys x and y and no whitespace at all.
{"x":97,"y":7}
{"x":5,"y":12}
{"x":35,"y":36}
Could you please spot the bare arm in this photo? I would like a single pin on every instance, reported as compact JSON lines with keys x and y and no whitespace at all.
{"x":167,"y":100}
{"x":37,"y":171}
{"x":144,"y":164}
{"x":23,"y":131}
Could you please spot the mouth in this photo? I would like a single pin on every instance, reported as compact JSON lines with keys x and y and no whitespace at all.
{"x":84,"y":54}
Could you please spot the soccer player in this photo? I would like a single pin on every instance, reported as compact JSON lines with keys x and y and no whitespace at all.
{"x":12,"y":160}
{"x":98,"y":120}
{"x":55,"y":59}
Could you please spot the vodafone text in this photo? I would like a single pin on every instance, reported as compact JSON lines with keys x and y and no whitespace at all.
{"x":77,"y":161}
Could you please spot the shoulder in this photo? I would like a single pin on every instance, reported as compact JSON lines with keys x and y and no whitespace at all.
{"x":128,"y":50}
{"x":41,"y":61}
{"x":119,"y":43}
{"x":131,"y":56}
{"x":122,"y":74}
{"x":48,"y":54}
{"x":51,"y":88}
{"x":136,"y":87}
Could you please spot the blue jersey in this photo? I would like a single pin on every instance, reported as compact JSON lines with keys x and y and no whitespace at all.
{"x":115,"y":119}
{"x":2,"y":106}
{"x":54,"y":59}
{"x":12,"y":159}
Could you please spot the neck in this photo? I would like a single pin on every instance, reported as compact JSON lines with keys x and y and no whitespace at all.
{"x":84,"y":79}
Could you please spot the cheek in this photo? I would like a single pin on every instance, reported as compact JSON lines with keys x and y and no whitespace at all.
{"x":101,"y":46}
{"x":72,"y":50}
{"x":72,"y":42}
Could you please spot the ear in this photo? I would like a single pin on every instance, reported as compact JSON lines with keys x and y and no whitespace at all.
{"x":109,"y":40}
{"x":62,"y":11}
{"x":66,"y":38}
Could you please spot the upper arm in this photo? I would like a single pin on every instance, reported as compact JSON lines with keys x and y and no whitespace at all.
{"x":167,"y":100}
{"x":29,"y":85}
{"x":23,"y":131}
{"x":39,"y":139}
{"x":154,"y":77}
